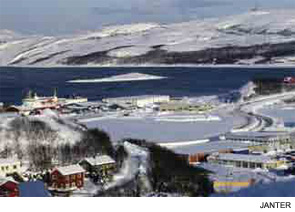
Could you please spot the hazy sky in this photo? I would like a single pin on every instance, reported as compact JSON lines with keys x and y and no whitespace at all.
{"x":70,"y":16}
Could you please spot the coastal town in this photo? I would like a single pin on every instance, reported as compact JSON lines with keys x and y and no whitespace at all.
{"x":260,"y":149}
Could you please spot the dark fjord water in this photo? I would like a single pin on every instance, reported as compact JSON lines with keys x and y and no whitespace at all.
{"x":15,"y":82}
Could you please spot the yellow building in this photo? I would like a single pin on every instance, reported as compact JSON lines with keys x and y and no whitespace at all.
{"x":9,"y":166}
{"x":101,"y":164}
{"x":230,"y":186}
{"x":180,"y":106}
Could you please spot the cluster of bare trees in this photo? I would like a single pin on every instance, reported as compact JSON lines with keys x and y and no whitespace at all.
{"x":35,"y":141}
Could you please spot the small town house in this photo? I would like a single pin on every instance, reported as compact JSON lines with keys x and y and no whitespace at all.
{"x":67,"y":178}
{"x":101,"y":164}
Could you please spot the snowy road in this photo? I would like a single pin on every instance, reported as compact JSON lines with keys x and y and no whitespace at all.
{"x":259,"y":121}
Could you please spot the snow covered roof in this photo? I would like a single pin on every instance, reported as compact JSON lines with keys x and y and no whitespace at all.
{"x":100,"y":160}
{"x":244,"y":157}
{"x":4,"y":180}
{"x":72,"y":169}
{"x":258,"y":135}
{"x":209,"y":147}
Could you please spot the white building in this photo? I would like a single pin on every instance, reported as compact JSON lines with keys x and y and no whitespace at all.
{"x":138,"y":101}
{"x":245,"y":161}
{"x":260,"y":137}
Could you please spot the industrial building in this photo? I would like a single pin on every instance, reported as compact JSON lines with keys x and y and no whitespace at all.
{"x":245,"y":161}
{"x":33,"y":101}
{"x":199,"y":152}
{"x":138,"y":101}
{"x":260,"y":137}
{"x":179,"y":106}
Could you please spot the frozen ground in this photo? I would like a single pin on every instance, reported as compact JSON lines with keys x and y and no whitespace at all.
{"x":165,"y":131}
{"x":89,"y":189}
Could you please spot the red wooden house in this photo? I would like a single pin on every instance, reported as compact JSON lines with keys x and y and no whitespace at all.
{"x":67,"y":178}
{"x":8,"y":188}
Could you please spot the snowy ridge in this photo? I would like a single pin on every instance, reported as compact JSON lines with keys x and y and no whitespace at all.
{"x":119,"y":45}
{"x":125,"y":29}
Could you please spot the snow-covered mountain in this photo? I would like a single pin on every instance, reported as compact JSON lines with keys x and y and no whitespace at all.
{"x":260,"y":37}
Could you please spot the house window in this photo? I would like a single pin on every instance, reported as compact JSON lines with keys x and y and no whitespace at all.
{"x":7,"y":167}
{"x":259,"y":165}
{"x":245,"y":165}
{"x":2,"y":168}
{"x":252,"y":165}
{"x":73,"y":177}
{"x":14,"y":166}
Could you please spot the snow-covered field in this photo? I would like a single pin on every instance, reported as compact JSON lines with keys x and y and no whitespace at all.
{"x":125,"y":41}
{"x":166,"y":131}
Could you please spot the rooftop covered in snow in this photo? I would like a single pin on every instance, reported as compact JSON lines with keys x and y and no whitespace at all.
{"x":99,"y":160}
{"x":243,"y":157}
{"x":209,"y":147}
{"x":259,"y":136}
{"x":71,"y":169}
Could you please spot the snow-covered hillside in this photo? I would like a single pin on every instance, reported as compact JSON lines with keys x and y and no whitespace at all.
{"x":255,"y":37}
{"x":20,"y":135}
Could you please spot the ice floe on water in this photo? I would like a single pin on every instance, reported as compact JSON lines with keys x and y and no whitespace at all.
{"x":120,"y":78}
